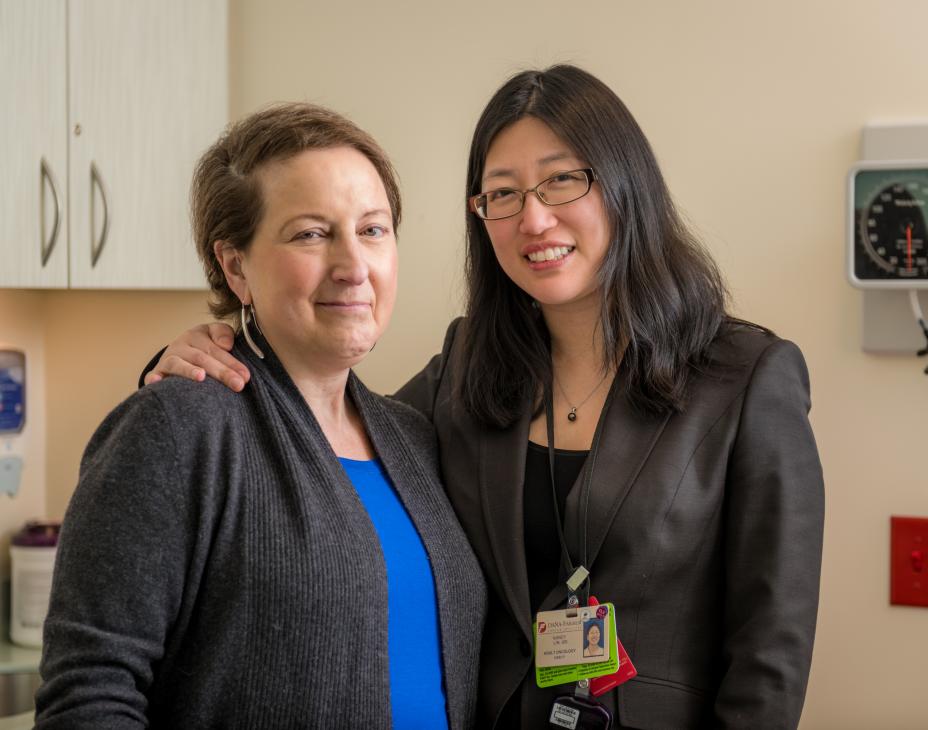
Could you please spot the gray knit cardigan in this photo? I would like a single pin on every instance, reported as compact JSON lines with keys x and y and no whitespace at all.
{"x":217,"y":569}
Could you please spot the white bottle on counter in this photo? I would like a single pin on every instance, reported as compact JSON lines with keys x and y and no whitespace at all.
{"x":32,"y":554}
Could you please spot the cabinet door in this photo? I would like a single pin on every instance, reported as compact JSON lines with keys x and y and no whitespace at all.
{"x":148,"y":94}
{"x":33,"y":144}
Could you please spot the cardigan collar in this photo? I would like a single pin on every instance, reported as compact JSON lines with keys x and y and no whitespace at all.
{"x":417,"y":486}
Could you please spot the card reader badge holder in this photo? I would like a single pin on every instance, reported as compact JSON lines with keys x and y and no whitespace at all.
{"x":578,"y":713}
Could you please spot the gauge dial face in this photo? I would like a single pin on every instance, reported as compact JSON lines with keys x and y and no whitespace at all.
{"x":891,"y":232}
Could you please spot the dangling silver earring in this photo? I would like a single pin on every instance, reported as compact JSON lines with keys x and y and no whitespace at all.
{"x":248,"y":310}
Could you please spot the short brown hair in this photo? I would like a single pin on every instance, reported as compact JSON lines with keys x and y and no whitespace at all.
{"x":225,"y":197}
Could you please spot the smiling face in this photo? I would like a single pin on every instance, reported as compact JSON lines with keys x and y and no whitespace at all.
{"x":321,"y":269}
{"x":553,"y":253}
{"x":592,"y":636}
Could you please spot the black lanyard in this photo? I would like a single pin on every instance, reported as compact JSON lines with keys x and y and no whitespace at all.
{"x":566,"y":561}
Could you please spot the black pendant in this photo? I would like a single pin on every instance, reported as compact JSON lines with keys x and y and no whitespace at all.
{"x":572,"y":416}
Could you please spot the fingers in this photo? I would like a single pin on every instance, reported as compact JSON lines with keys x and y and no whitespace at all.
{"x":196,"y":364}
{"x":199,"y":352}
{"x":152,"y":377}
{"x":220,"y":365}
{"x":180,"y":361}
{"x":222,"y":334}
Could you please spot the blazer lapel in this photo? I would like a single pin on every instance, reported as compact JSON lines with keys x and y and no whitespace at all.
{"x":502,"y":483}
{"x":627,"y":440}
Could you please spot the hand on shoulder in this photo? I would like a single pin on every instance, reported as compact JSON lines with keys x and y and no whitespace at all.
{"x":200,"y":352}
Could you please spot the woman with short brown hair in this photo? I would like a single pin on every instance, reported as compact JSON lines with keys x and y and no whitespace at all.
{"x":287,"y":558}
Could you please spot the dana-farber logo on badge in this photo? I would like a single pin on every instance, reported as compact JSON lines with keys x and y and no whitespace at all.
{"x":561,"y":639}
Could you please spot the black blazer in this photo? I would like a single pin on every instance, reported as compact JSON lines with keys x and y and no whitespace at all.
{"x":705,"y":530}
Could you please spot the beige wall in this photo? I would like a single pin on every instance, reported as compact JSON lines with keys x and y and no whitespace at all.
{"x":96,"y":345}
{"x":754,"y":110}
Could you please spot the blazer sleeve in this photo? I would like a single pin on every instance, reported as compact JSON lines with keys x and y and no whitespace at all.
{"x":119,"y":574}
{"x":774,"y":516}
{"x":150,"y":366}
{"x":422,"y":389}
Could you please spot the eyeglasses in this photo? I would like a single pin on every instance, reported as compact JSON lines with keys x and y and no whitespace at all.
{"x":560,"y":188}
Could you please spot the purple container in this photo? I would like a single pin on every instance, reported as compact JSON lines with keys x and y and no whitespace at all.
{"x":38,"y":534}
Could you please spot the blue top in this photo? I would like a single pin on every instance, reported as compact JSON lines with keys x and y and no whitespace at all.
{"x":417,"y":691}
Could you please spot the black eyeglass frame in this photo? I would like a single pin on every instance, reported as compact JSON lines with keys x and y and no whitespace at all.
{"x":589,"y":172}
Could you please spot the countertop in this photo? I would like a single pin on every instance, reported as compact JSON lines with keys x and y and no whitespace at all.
{"x":18,"y":659}
{"x":17,"y":722}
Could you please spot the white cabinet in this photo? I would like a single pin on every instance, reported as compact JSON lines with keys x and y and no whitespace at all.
{"x":33,"y":143}
{"x":145,"y":88}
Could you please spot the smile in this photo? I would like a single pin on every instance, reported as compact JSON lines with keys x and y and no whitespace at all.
{"x":549,"y":254}
{"x":345,"y":307}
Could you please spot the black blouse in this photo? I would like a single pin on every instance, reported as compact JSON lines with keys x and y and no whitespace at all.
{"x":542,"y":548}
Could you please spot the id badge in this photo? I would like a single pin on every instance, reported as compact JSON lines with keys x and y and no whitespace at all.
{"x":577,"y":713}
{"x":569,"y":648}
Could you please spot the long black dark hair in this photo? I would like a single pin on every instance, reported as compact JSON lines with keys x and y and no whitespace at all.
{"x":663,"y":298}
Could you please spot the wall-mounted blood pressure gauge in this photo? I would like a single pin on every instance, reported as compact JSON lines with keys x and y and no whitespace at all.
{"x":887,"y":230}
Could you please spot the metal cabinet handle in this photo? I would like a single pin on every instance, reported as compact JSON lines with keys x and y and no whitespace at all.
{"x":47,"y":243}
{"x":96,"y":247}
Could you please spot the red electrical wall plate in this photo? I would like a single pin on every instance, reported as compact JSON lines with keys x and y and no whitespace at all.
{"x":908,"y":561}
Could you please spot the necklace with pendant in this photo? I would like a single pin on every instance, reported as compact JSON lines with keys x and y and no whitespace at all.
{"x":572,"y":413}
